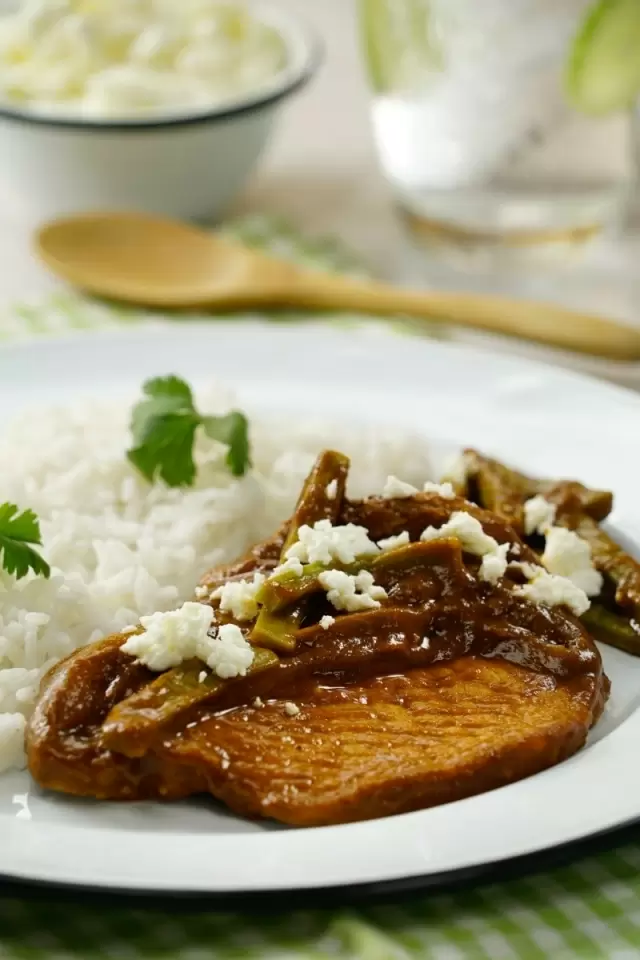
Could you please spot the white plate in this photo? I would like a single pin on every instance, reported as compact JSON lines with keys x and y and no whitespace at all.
{"x":544,"y":420}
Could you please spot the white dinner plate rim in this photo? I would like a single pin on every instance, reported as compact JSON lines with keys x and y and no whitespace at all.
{"x":443,"y":840}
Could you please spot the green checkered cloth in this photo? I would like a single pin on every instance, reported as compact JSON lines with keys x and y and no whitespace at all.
{"x":65,"y":313}
{"x":588,"y":910}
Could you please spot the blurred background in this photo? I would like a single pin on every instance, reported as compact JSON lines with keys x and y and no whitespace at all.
{"x":446,"y":143}
{"x":326,"y":169}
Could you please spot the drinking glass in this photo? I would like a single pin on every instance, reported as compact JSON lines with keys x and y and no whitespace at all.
{"x":476,"y":129}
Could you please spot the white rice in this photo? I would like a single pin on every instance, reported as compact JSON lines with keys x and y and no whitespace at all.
{"x":120,"y":548}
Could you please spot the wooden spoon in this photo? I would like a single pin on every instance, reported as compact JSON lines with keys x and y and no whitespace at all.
{"x":163,"y":263}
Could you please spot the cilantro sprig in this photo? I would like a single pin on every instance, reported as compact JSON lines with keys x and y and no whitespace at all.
{"x":18,"y":531}
{"x":163,"y":428}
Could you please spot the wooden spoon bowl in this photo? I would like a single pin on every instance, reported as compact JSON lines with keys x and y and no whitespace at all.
{"x":155,"y":262}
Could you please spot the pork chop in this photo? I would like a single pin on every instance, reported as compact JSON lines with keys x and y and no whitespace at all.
{"x":452,"y":687}
{"x":387,"y":745}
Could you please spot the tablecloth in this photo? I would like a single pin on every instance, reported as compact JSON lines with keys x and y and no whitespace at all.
{"x":587,"y":910}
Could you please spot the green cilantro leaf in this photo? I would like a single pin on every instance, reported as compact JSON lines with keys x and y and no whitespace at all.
{"x":233,"y":431}
{"x":168,"y":387}
{"x":164,"y":425}
{"x":17,"y":532}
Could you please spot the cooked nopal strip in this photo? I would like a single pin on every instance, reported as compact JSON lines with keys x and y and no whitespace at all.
{"x":580,"y":509}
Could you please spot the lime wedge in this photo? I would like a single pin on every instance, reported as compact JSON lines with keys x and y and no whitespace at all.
{"x":399,"y":47}
{"x":603,"y":72}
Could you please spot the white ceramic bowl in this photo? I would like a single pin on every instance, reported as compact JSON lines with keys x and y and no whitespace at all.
{"x":181,"y":165}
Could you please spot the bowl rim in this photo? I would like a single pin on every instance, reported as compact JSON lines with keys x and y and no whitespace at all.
{"x":305,"y":54}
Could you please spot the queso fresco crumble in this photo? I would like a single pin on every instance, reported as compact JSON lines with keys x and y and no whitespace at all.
{"x":567,"y":577}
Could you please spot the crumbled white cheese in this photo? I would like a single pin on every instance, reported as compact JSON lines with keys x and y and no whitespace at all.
{"x":202,"y":676}
{"x":130,"y":629}
{"x":323,"y":543}
{"x":201,"y":593}
{"x":291,"y":709}
{"x":170,"y":638}
{"x":426,"y":643}
{"x":351,"y":593}
{"x":467,"y":530}
{"x":444,"y":490}
{"x":515,"y":549}
{"x":258,"y":703}
{"x":392,"y":543}
{"x":568,"y":555}
{"x":494,"y":564}
{"x":292,"y":565}
{"x":528,"y":570}
{"x":473,"y":539}
{"x":539,"y":514}
{"x":327,"y":621}
{"x":331,"y":490}
{"x":553,"y":591}
{"x":226,"y":652}
{"x":395,"y":489}
{"x":238,"y":597}
{"x":122,"y":58}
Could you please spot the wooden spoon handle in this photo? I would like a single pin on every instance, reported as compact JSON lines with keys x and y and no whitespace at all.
{"x":546,"y":323}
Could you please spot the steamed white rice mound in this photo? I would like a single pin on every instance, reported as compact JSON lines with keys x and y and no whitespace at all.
{"x":120,"y":548}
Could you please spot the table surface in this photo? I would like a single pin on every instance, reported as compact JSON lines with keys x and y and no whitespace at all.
{"x":588,"y":909}
{"x":320,"y":172}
